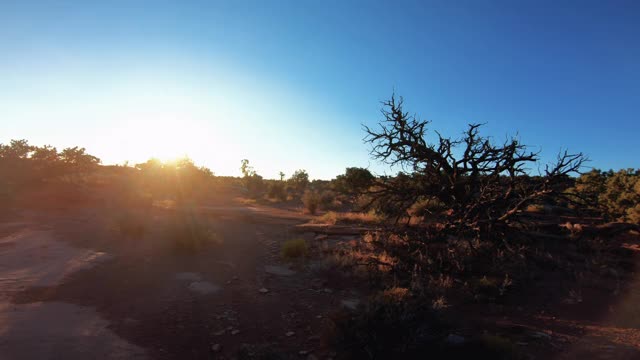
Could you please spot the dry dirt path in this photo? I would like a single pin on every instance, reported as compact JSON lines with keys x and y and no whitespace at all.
{"x":70,"y":288}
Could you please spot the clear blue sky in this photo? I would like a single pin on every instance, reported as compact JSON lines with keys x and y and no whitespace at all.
{"x":288,"y":84}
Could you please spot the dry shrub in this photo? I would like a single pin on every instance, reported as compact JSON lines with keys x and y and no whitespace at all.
{"x":327,"y":199}
{"x":391,"y":324}
{"x":311,"y":201}
{"x":333,"y":218}
{"x":131,"y":224}
{"x":189,"y":234}
{"x":277,"y":191}
{"x":294,"y":249}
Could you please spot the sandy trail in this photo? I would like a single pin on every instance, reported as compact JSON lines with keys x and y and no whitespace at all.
{"x":51,"y":330}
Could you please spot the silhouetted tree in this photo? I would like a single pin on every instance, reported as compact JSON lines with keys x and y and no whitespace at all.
{"x":482,"y":185}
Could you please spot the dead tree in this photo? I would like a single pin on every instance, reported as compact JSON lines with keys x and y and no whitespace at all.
{"x":481,"y":186}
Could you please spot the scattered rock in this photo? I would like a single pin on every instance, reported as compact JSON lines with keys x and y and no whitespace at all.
{"x":278,"y":270}
{"x":263,"y":290}
{"x":216,"y":347}
{"x":290,"y":333}
{"x":453,"y":339}
{"x":203,"y":287}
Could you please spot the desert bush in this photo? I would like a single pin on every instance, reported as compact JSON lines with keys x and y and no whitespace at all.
{"x":277,"y":190}
{"x":189,"y":234}
{"x":389,"y":325}
{"x":295,"y":248}
{"x":354,"y":181}
{"x":299,"y":181}
{"x":311,"y":201}
{"x":326,"y":200}
{"x":131,"y":224}
{"x":616,"y":195}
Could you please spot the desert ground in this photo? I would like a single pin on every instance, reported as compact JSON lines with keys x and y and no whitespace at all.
{"x":71,"y":287}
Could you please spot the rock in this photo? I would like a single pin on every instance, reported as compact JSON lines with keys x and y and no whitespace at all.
{"x":263,"y":290}
{"x":218,"y":333}
{"x":216,"y":347}
{"x":453,"y":339}
{"x":540,"y":335}
{"x":235,"y":332}
{"x":327,"y":290}
{"x":278,"y":270}
{"x":290,"y":333}
{"x":303,"y":352}
{"x":351,"y":304}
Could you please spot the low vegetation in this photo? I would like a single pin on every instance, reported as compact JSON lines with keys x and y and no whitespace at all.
{"x":295,"y":249}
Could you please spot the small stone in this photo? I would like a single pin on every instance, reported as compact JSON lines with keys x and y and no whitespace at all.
{"x":216,"y":347}
{"x":235,"y":332}
{"x":303,"y":352}
{"x":327,"y":290}
{"x":454,"y":339}
{"x":290,"y":333}
{"x":540,"y":335}
{"x":263,"y":290}
{"x":318,"y":316}
{"x":351,"y":304}
{"x":218,"y":333}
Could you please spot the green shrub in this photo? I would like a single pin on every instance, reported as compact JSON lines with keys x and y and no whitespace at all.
{"x":295,"y":248}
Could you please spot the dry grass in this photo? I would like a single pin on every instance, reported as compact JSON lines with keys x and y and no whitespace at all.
{"x":333,"y":218}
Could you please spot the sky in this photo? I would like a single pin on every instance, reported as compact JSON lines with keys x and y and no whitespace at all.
{"x":289,"y":84}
